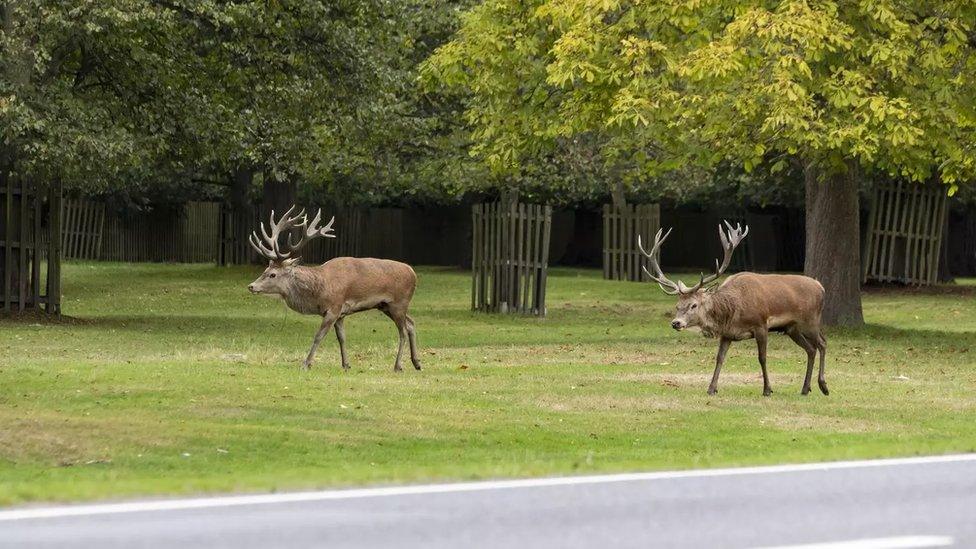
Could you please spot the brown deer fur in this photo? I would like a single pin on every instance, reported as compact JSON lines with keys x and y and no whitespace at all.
{"x":748,"y":305}
{"x":341,"y":287}
{"x":337,"y":288}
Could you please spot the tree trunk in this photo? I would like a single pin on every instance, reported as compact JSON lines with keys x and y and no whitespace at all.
{"x":234,"y":247}
{"x":833,"y":242}
{"x":277,"y":196}
{"x":240,"y":182}
{"x":618,"y":196}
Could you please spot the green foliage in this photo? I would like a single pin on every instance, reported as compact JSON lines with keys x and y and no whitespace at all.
{"x":95,"y":92}
{"x":755,"y":84}
{"x":408,"y":145}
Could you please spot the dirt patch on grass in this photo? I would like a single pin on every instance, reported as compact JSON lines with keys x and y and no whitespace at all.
{"x":611,"y":403}
{"x":22,"y":440}
{"x":687,"y":379}
{"x":64,"y":443}
{"x":811,"y":422}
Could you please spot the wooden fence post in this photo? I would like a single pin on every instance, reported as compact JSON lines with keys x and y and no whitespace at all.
{"x":8,"y":237}
{"x":621,"y":225}
{"x":81,"y":237}
{"x":54,"y":250}
{"x":904,"y":233}
{"x":21,"y":245}
{"x":510,"y":257}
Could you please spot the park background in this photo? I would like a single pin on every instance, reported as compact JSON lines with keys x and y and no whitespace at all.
{"x":142,"y":131}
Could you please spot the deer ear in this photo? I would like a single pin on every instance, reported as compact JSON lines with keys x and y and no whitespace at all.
{"x":290,"y":262}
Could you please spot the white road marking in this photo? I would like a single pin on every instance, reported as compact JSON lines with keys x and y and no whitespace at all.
{"x":904,"y":542}
{"x":323,"y":495}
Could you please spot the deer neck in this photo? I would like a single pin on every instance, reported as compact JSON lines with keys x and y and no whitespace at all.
{"x":303,"y":291}
{"x":715,"y":315}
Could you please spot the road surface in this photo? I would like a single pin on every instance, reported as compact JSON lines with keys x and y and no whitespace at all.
{"x":914,"y":502}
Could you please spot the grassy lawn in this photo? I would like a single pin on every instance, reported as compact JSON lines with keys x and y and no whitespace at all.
{"x":172,"y":379}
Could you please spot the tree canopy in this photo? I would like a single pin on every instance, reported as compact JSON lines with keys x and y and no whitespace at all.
{"x":885,"y":84}
{"x":148,"y":89}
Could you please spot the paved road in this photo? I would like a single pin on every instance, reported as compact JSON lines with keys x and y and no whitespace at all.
{"x":923,"y":502}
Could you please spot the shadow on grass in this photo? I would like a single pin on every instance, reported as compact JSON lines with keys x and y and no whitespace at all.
{"x":34,"y":316}
{"x":881,"y":332}
{"x":902,"y":290}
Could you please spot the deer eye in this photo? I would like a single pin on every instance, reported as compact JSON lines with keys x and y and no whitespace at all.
{"x":694,"y":305}
{"x":272,"y":275}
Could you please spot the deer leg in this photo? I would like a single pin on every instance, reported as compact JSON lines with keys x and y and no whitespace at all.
{"x":412,"y":334}
{"x":340,"y":332}
{"x":400,"y":319}
{"x":761,"y":337}
{"x":327,"y":320}
{"x":723,"y":347}
{"x":402,"y":330}
{"x":821,"y":381}
{"x":811,"y":350}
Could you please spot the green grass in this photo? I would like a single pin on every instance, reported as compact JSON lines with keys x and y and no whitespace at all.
{"x":172,"y":379}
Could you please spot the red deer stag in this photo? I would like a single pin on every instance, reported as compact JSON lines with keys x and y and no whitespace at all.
{"x":747,"y":305}
{"x":337,"y":288}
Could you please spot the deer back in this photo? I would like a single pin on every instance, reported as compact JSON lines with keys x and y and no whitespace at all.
{"x":748,"y":300}
{"x":355,"y":284}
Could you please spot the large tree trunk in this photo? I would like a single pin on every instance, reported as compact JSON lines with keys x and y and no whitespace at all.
{"x":240,"y":182}
{"x":833,"y":247}
{"x":238,"y":226}
{"x":277,"y":196}
{"x":618,"y":196}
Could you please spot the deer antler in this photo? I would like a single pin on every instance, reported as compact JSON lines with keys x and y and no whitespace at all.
{"x":667,"y":286}
{"x":730,"y":240}
{"x":310,"y":231}
{"x":270,"y":248}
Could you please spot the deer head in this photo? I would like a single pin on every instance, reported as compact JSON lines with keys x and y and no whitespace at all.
{"x":691,"y":300}
{"x":281,"y":262}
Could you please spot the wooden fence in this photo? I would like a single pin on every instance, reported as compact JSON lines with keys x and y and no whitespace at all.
{"x":621,"y":225}
{"x":189,"y":235}
{"x":510,"y":257}
{"x":82,"y":224}
{"x":30,"y":260}
{"x":234,"y":227}
{"x":904,"y":233}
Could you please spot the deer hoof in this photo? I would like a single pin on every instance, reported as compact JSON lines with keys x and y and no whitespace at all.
{"x":345,"y":366}
{"x":767,"y":391}
{"x":397,"y":368}
{"x":306,"y":366}
{"x":416,"y":365}
{"x":712,"y":390}
{"x":823,"y":387}
{"x":805,"y":390}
